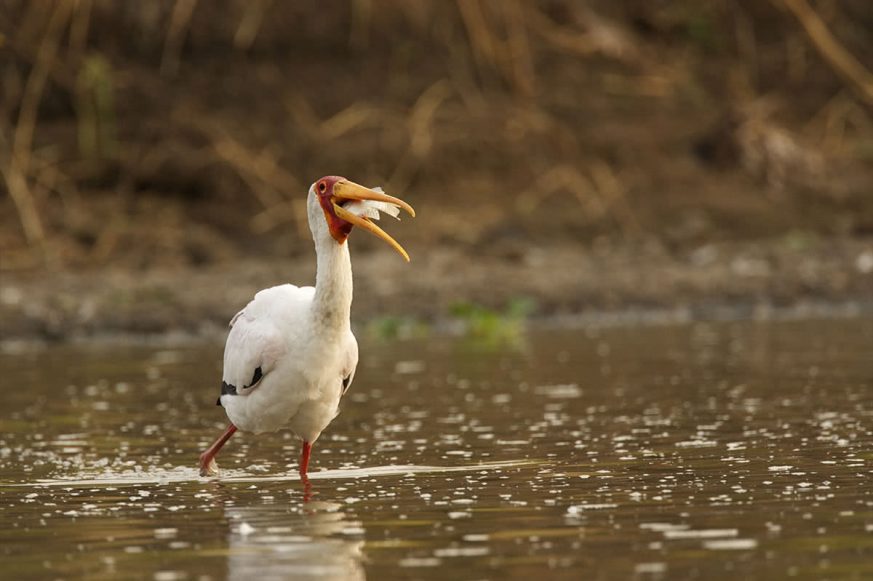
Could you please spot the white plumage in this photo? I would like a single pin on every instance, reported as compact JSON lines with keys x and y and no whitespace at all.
{"x":290,"y":354}
{"x":276,"y":333}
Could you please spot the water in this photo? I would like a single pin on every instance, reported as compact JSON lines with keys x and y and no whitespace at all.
{"x":708,"y":451}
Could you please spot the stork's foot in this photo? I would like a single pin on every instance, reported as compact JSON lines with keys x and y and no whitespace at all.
{"x":208,"y":465}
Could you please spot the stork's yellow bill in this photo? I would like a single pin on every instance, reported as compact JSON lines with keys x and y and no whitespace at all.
{"x":347,"y":204}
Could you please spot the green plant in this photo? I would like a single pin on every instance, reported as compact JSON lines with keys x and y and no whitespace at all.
{"x":493,"y":327}
{"x":396,"y":327}
{"x":95,"y":109}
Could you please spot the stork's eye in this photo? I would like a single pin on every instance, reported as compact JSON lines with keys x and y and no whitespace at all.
{"x":322,"y":187}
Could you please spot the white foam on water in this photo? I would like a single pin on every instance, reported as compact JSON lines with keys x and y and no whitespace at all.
{"x":184,"y":474}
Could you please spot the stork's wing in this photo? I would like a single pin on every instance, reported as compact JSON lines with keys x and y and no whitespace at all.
{"x":251,"y":351}
{"x":255,"y":344}
{"x":351,"y":362}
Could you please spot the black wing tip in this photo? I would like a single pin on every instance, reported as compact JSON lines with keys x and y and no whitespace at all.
{"x":228,"y":389}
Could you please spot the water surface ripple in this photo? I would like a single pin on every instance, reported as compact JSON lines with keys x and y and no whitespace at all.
{"x":709,"y":451}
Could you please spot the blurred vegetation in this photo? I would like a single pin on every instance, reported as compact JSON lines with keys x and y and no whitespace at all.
{"x":494,"y":328}
{"x":483,"y":327}
{"x":186,"y":133}
{"x":95,"y":110}
{"x":389,"y":328}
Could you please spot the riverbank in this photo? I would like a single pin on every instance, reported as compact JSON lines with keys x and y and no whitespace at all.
{"x":561,"y":282}
{"x":565,"y":161}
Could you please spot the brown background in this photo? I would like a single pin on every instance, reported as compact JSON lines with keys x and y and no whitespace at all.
{"x":587,"y":155}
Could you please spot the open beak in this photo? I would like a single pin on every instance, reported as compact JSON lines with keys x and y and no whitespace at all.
{"x":346,"y":190}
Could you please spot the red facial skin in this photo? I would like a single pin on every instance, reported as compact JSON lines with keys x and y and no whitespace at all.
{"x":338,"y":227}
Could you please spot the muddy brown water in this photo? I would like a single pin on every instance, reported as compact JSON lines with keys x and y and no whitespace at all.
{"x":704,"y":451}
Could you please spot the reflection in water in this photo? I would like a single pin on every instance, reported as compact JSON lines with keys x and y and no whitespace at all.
{"x":267,"y":542}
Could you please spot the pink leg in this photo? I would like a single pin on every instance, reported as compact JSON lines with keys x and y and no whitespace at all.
{"x":304,"y":458}
{"x":207,"y":458}
{"x":304,"y":466}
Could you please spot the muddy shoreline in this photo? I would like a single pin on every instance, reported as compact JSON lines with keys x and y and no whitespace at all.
{"x":561,"y":284}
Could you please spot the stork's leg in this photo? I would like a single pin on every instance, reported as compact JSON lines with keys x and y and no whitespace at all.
{"x":304,"y":459}
{"x":304,"y":466}
{"x":208,"y":465}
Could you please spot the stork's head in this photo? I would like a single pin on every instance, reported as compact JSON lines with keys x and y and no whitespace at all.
{"x":346,"y":204}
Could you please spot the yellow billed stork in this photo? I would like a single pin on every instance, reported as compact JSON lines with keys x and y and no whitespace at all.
{"x":290,"y":354}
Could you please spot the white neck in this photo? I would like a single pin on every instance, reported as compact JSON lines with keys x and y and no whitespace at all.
{"x":332,"y":305}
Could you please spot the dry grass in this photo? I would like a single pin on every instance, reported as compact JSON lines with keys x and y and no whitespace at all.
{"x":541,"y":96}
{"x":843,"y":62}
{"x":17,"y":162}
